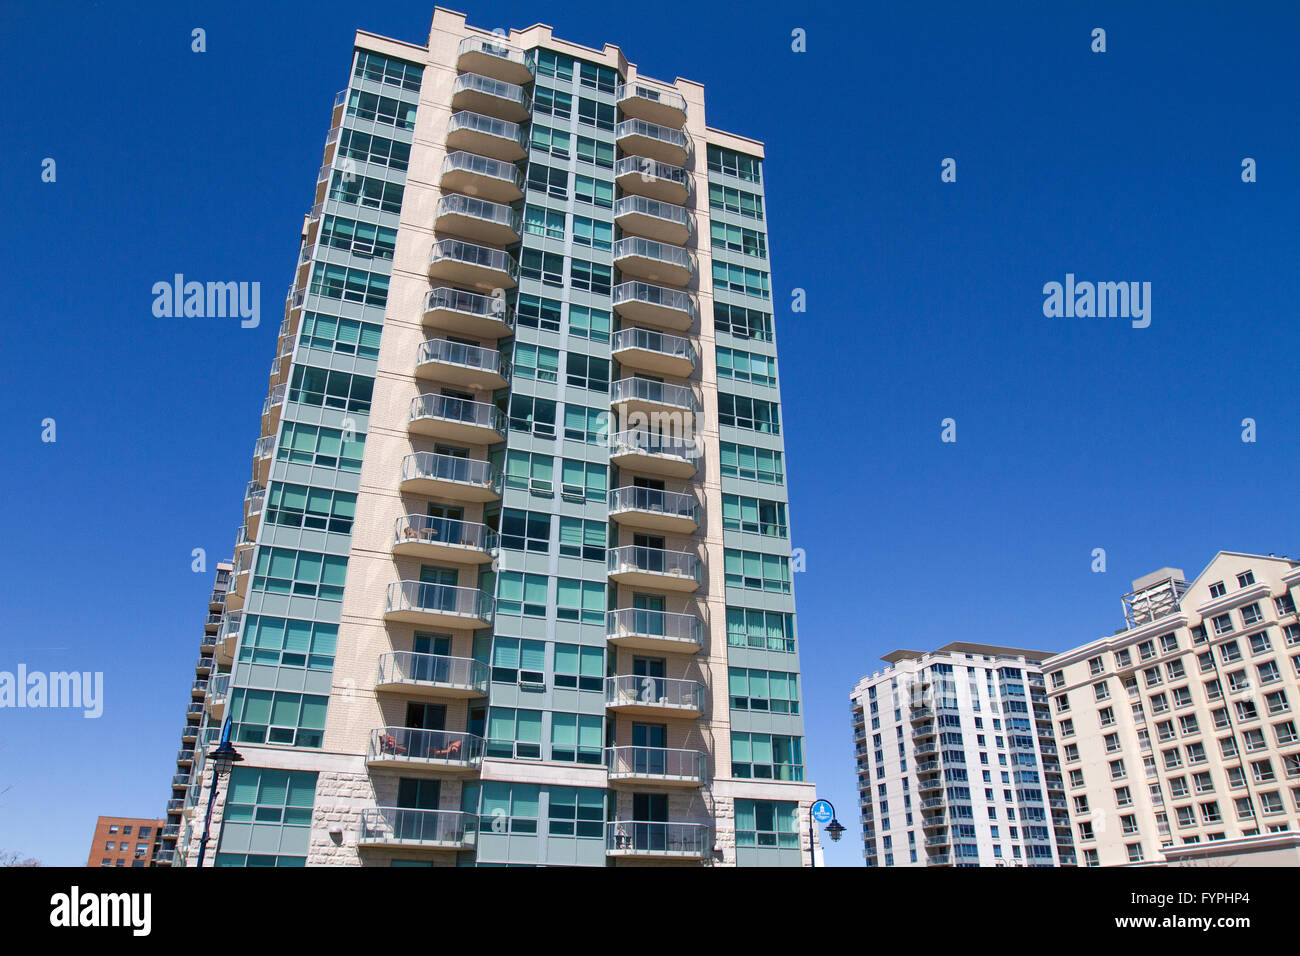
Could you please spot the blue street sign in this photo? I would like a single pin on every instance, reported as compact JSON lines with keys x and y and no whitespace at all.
{"x":821,"y":812}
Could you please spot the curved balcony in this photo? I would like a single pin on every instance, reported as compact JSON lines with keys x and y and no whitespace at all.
{"x":653,"y":261}
{"x":930,"y":784}
{"x":660,"y":221}
{"x":644,"y":396}
{"x":180,"y":781}
{"x":662,"y":841}
{"x":447,"y":476}
{"x":455,"y":363}
{"x":491,"y":97}
{"x":653,"y":141}
{"x":412,"y":750}
{"x":217,"y":599}
{"x":654,"y":305}
{"x":409,"y":829}
{"x":656,"y":568}
{"x":199,"y":689}
{"x":655,"y":765}
{"x":444,"y":539}
{"x":486,"y":136}
{"x":468,"y":313}
{"x":189,"y":733}
{"x":492,"y":179}
{"x":185,"y":757}
{"x":661,"y":631}
{"x":663,"y":107}
{"x":431,"y":675}
{"x":655,"y":352}
{"x":437,"y":605}
{"x":490,"y":56}
{"x":263,"y":455}
{"x":228,"y":638}
{"x":639,"y":176}
{"x":217,"y":695}
{"x":636,"y":695}
{"x":651,"y":453}
{"x":657,"y":510}
{"x":453,"y":260}
{"x":456,"y":419}
{"x":203,"y":665}
{"x":272,"y":405}
{"x":477,"y":219}
{"x":239,"y":580}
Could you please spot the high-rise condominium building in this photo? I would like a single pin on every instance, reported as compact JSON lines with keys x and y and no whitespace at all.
{"x":956,"y":763}
{"x":124,"y":841}
{"x":1180,"y":729}
{"x":515,"y":581}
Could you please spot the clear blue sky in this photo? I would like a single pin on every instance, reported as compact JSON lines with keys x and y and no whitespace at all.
{"x":924,"y":298}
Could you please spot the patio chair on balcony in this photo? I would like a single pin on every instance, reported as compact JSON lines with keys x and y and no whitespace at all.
{"x":450,"y":752}
{"x":388,"y":745}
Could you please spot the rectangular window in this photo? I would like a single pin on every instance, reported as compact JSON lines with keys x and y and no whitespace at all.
{"x":752,"y":464}
{"x":757,"y":571}
{"x":755,"y":414}
{"x":334,"y":334}
{"x":597,"y":192}
{"x":754,"y":516}
{"x":588,"y":323}
{"x":579,"y":601}
{"x":536,"y":312}
{"x":522,"y":594}
{"x":536,"y":362}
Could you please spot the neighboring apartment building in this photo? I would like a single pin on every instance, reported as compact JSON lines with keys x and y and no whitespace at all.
{"x":202,"y":723}
{"x":1181,"y":729}
{"x":124,"y":841}
{"x":515,"y":579}
{"x":956,"y":763}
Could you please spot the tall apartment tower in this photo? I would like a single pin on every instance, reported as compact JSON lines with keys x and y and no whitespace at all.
{"x":211,"y":677}
{"x":1180,"y":729}
{"x":956,"y":762}
{"x":515,"y":585}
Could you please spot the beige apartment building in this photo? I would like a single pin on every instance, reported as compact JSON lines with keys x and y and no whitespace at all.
{"x":513,"y":583}
{"x":1179,"y":732}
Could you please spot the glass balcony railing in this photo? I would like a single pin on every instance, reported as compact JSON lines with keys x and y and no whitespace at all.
{"x":462,"y":471}
{"x":462,"y":411}
{"x":686,"y":765}
{"x":487,"y":125}
{"x":265,"y":447}
{"x":637,"y":690}
{"x":476,"y":83}
{"x":404,"y":826}
{"x":637,"y":441}
{"x":453,"y":533}
{"x":469,"y":254}
{"x":438,"y":599}
{"x":443,"y":299}
{"x":661,"y":343}
{"x":664,"y":625}
{"x":274,"y":400}
{"x":220,"y":687}
{"x":474,"y":164}
{"x":446,"y":352}
{"x":414,"y":744}
{"x":454,"y":204}
{"x":653,"y":393}
{"x":645,"y":206}
{"x":481,"y":47}
{"x":677,"y":564}
{"x":667,"y":98}
{"x":649,"y":249}
{"x":656,"y":295}
{"x":633,"y":838}
{"x":654,"y":501}
{"x":663,"y":134}
{"x":407,"y":667}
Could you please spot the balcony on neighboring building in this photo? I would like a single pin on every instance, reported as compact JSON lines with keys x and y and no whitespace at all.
{"x":467,"y":313}
{"x":485,"y":136}
{"x":213,"y":621}
{"x":490,"y":56}
{"x":666,"y":841}
{"x":185,"y":757}
{"x":639,"y":176}
{"x":657,"y":568}
{"x":444,"y":539}
{"x":662,"y":631}
{"x":431,"y":675}
{"x":465,"y":263}
{"x":455,"y":363}
{"x":650,"y":398}
{"x":656,"y":305}
{"x":642,"y":696}
{"x":477,"y":220}
{"x":655,"y":352}
{"x":457,"y":419}
{"x":413,"y":750}
{"x":654,"y":509}
{"x":643,"y":138}
{"x":483,"y":177}
{"x":189,"y":733}
{"x":653,"y":261}
{"x":654,"y":105}
{"x":652,"y":219}
{"x":654,"y":453}
{"x":410,"y":829}
{"x":655,"y":766}
{"x":437,"y":605}
{"x":490,"y":97}
{"x":450,"y":476}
